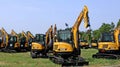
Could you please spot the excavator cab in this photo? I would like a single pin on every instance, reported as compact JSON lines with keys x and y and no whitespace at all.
{"x":40,"y":38}
{"x":38,"y":46}
{"x":30,"y":41}
{"x":63,"y":37}
{"x":107,"y":37}
{"x":11,"y":42}
{"x":22,"y":43}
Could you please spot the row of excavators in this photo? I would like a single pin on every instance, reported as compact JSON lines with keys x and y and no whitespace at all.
{"x":62,"y":46}
{"x":14,"y":42}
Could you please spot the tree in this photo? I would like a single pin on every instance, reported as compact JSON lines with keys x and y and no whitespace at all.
{"x":105,"y":28}
{"x":96,"y":34}
{"x":82,"y":35}
{"x":118,"y":24}
{"x":112,"y":25}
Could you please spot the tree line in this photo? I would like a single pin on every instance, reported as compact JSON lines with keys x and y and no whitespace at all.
{"x":95,"y":34}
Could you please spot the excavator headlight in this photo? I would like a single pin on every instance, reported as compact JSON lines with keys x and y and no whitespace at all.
{"x":11,"y":45}
{"x":21,"y":45}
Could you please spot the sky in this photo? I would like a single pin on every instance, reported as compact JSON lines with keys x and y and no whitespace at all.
{"x":38,"y":15}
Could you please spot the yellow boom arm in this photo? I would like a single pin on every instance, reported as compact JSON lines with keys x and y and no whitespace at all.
{"x":6,"y":35}
{"x":49,"y":35}
{"x":75,"y":28}
{"x":24,"y":35}
{"x":29,"y":34}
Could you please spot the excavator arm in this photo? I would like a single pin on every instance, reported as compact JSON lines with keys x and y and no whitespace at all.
{"x":49,"y":35}
{"x":29,"y":34}
{"x":116,"y":35}
{"x":75,"y":28}
{"x":24,"y":35}
{"x":55,"y":32}
{"x":13,"y":32}
{"x":5,"y":34}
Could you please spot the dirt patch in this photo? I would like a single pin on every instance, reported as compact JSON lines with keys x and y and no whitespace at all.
{"x":3,"y":63}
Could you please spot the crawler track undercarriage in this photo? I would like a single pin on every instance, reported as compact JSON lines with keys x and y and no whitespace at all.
{"x":106,"y":55}
{"x":71,"y":61}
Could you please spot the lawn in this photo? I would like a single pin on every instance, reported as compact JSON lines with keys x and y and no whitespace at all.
{"x":24,"y":60}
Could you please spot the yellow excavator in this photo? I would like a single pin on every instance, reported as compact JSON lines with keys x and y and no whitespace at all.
{"x":10,"y":42}
{"x":38,"y":46}
{"x":42,"y":44}
{"x":30,"y":38}
{"x":109,"y":45}
{"x":24,"y":42}
{"x":66,"y":49}
{"x":2,"y":44}
{"x":17,"y":41}
{"x":84,"y":44}
{"x":94,"y":43}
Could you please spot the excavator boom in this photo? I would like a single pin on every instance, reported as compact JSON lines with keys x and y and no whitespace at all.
{"x":29,"y":34}
{"x":49,"y":35}
{"x":75,"y":28}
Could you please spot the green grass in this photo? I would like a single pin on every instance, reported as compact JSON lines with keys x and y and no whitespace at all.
{"x":24,"y":60}
{"x":93,"y":62}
